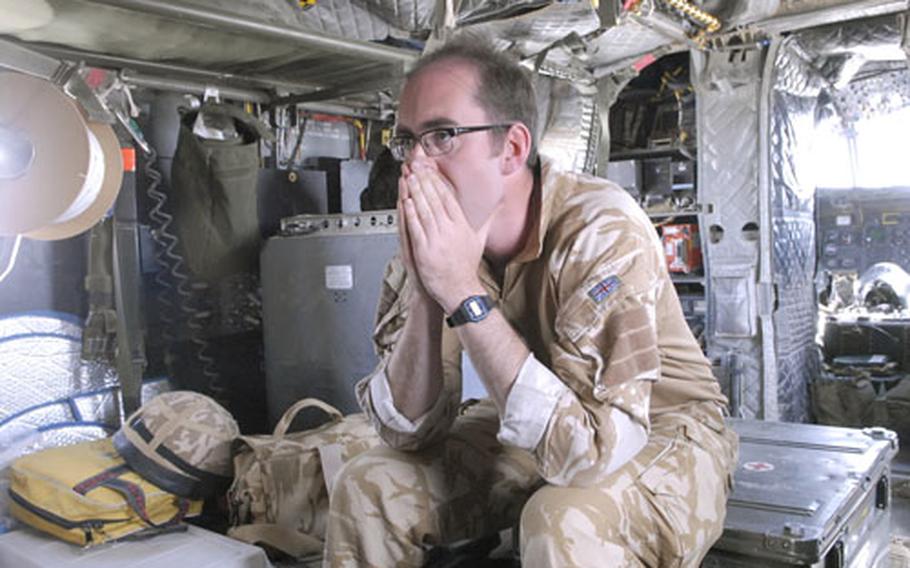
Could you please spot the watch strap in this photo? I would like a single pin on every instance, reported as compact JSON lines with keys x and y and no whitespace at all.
{"x":464,"y":313}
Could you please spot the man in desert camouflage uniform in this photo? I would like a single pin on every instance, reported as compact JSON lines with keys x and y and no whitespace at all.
{"x":604,"y":431}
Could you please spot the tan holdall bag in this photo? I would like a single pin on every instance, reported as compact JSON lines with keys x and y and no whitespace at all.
{"x":280,"y":494}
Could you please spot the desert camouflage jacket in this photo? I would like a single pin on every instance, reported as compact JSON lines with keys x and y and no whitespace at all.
{"x":591,"y":297}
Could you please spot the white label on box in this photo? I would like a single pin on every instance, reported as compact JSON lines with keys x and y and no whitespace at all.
{"x":843,"y":220}
{"x":339,"y":277}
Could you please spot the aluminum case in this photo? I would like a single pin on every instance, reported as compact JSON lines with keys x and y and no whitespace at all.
{"x":808,"y":495}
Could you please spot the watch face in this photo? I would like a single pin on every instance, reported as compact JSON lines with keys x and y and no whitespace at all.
{"x":475,"y":309}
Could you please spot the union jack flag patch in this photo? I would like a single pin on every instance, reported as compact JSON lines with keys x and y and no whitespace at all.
{"x":604,"y":288}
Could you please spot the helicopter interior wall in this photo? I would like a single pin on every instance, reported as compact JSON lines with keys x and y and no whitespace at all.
{"x":730,"y":94}
{"x":728,"y":91}
{"x":811,"y":67}
{"x":756,"y":123}
{"x":794,"y":94}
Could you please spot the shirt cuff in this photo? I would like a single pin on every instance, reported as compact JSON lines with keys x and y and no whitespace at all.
{"x":530,"y":404}
{"x":384,"y":405}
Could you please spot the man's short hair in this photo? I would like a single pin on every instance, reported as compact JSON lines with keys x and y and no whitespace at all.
{"x":504,"y":88}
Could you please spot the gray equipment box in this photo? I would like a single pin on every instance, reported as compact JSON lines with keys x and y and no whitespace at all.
{"x":320,"y":287}
{"x":627,"y":175}
{"x":808,"y":495}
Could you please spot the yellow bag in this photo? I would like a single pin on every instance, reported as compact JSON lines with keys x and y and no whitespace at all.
{"x":86,"y":494}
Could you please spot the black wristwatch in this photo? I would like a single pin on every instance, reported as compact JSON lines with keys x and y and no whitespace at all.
{"x":473,"y":309}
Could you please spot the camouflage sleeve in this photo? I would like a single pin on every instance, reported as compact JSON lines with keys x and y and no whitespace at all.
{"x":606,"y":350}
{"x":373,"y":391}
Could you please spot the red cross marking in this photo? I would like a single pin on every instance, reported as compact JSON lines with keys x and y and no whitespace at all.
{"x":758,"y":466}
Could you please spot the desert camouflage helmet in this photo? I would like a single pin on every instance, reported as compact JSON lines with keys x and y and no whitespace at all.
{"x":180,"y":441}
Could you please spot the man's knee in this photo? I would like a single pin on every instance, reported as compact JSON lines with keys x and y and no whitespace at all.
{"x":549,"y":511}
{"x":375,"y":517}
{"x":559,"y":529}
{"x":375,"y":481}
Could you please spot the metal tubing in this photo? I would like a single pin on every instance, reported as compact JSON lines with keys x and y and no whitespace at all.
{"x":194,"y":87}
{"x":335,"y":92}
{"x":168,"y":69}
{"x":198,"y":88}
{"x":192,"y":74}
{"x":233,"y":22}
{"x":27,"y":60}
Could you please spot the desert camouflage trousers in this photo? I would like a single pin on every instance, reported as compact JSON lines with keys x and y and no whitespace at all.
{"x":665,"y":507}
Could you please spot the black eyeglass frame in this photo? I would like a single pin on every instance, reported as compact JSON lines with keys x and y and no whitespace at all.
{"x":397,"y":143}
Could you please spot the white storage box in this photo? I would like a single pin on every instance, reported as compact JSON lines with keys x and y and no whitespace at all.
{"x":195,"y":547}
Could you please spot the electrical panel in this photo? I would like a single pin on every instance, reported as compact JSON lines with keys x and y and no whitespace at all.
{"x":858,"y":228}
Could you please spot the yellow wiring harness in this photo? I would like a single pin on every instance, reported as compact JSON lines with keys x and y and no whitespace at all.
{"x":667,"y":80}
{"x":711,"y":23}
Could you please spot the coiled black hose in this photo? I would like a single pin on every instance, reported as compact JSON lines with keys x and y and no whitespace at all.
{"x":176,"y":293}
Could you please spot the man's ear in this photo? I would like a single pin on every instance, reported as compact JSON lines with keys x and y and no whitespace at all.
{"x":516,"y":147}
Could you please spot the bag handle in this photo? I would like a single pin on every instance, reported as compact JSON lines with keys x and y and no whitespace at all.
{"x":132,"y":493}
{"x":282,"y":427}
{"x":135,"y":498}
{"x":99,"y":479}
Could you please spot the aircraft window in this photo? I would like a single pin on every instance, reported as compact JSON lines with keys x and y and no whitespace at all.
{"x":861,"y":174}
{"x":868,"y":154}
{"x":862,"y":234}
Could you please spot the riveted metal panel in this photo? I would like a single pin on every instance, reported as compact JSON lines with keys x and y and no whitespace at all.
{"x":727,"y":97}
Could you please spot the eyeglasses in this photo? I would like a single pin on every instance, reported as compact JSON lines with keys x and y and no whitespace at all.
{"x":436,"y":141}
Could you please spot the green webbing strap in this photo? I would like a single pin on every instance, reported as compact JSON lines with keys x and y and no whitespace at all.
{"x":98,"y":337}
{"x":130,"y":357}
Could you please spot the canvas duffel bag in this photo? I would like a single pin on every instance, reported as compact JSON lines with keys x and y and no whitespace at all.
{"x":282,"y":482}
